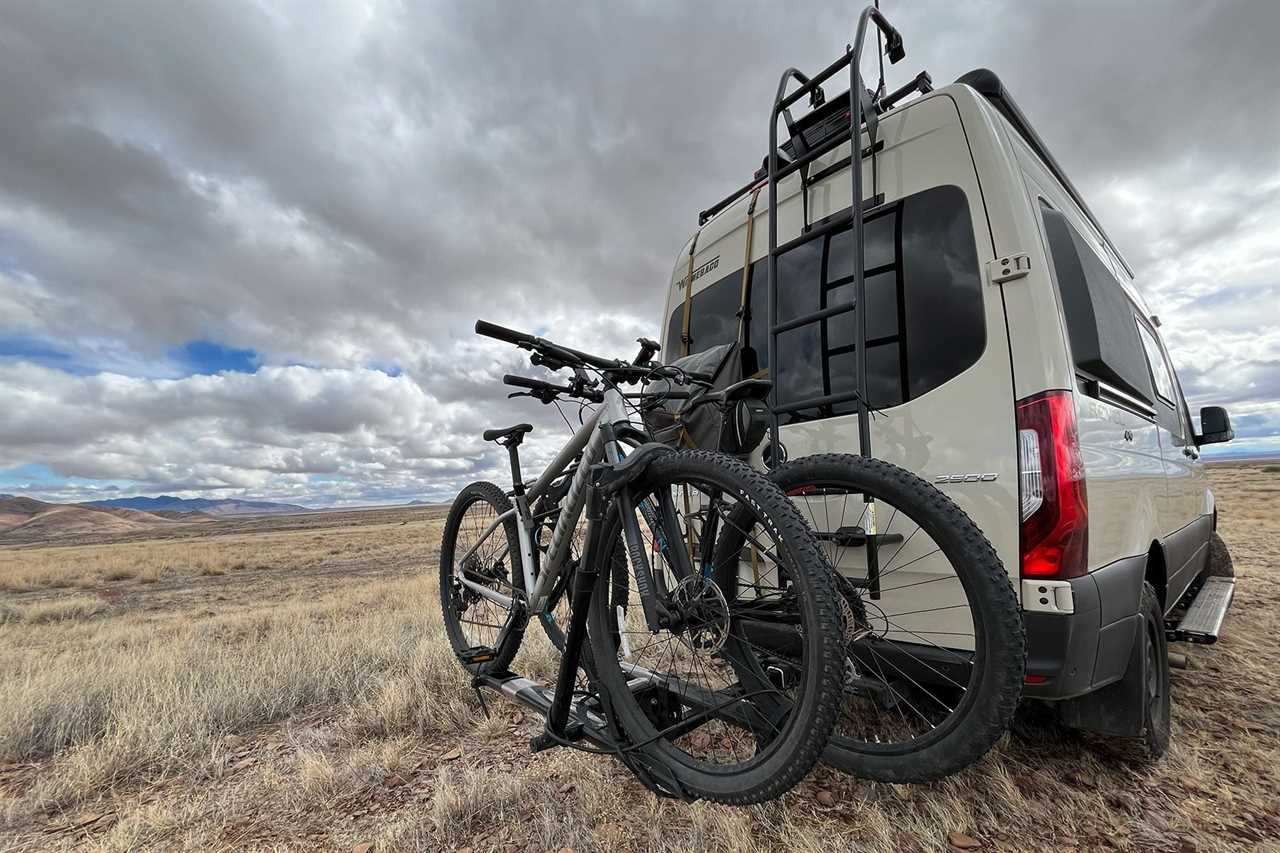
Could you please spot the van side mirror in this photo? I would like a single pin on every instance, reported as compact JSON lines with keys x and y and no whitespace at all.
{"x":1215,"y":426}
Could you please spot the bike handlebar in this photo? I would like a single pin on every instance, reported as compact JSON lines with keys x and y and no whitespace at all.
{"x":502,"y":333}
{"x":548,"y":349}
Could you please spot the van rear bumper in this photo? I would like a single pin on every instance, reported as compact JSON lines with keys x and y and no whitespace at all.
{"x":1076,"y":653}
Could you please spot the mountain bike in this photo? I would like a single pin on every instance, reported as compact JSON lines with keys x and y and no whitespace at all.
{"x":668,"y":666}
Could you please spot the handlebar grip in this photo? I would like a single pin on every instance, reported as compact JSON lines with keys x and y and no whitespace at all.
{"x":523,"y":382}
{"x":502,"y":333}
{"x":648,"y":349}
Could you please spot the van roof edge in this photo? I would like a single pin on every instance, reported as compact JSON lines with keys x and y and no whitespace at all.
{"x":986,"y":83}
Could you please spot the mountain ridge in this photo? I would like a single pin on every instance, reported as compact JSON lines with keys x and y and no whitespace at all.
{"x":217,"y":507}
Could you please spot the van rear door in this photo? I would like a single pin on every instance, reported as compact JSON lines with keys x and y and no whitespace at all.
{"x":938,"y":368}
{"x":938,"y":358}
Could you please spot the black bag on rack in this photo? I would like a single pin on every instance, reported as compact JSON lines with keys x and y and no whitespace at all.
{"x":704,"y":420}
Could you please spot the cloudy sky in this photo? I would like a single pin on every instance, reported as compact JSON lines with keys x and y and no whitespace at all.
{"x":242,"y":244}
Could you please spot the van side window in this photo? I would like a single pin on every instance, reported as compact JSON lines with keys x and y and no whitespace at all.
{"x":713,"y":317}
{"x":1159,"y":370}
{"x":1167,"y":411}
{"x":1096,"y":310}
{"x":925,"y":320}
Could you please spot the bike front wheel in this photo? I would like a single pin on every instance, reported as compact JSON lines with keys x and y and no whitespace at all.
{"x":701,"y":696}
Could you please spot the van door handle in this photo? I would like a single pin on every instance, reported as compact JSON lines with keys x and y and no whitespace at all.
{"x":1189,"y":453}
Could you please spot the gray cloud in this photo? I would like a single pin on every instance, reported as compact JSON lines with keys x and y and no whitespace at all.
{"x":354,"y":188}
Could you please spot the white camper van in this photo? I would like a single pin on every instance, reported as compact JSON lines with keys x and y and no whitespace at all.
{"x":1010,"y":360}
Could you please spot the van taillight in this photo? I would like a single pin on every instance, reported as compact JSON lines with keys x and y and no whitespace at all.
{"x":1054,"y":532}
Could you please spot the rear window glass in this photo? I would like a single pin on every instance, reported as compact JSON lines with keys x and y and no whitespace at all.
{"x":925,"y":322}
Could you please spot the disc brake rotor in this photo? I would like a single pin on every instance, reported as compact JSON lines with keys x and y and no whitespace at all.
{"x":704,"y":614}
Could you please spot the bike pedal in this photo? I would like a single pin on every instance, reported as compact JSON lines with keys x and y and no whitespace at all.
{"x":538,"y":743}
{"x":476,"y":654}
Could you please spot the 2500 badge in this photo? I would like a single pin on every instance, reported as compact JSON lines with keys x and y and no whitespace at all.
{"x":965,"y":478}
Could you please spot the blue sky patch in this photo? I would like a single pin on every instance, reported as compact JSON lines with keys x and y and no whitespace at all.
{"x":21,"y":348}
{"x":207,"y":357}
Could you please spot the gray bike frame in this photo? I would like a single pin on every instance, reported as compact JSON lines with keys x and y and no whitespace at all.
{"x":588,"y":446}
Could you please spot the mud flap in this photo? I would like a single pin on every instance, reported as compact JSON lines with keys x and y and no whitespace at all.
{"x":1118,"y":709}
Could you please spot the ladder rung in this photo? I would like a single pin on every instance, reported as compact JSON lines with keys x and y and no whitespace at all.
{"x":820,"y":314}
{"x":841,"y":220}
{"x":825,"y":147}
{"x":815,"y":81}
{"x":841,"y":165}
{"x":814,"y":402}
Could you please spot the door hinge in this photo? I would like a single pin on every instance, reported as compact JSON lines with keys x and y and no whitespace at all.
{"x":1009,"y":267}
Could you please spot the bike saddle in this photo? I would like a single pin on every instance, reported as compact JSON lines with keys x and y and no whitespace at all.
{"x":508,"y":434}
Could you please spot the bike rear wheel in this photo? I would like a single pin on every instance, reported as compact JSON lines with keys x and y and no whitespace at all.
{"x":699,"y":697}
{"x":471,"y":620}
{"x":935,"y":655}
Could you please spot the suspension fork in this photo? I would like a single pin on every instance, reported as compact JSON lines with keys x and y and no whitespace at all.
{"x":656,"y":614}
{"x":584,"y":584}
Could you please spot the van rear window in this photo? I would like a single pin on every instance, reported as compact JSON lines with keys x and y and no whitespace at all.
{"x":925,"y":322}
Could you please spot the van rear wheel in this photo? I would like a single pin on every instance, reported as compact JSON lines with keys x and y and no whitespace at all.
{"x":935,"y":651}
{"x":1154,"y":740}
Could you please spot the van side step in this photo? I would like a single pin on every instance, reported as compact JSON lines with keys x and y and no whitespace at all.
{"x":1202,"y":622}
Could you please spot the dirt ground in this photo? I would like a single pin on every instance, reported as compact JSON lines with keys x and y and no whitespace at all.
{"x":284,"y":684}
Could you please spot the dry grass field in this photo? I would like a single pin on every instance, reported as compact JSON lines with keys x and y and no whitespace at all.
{"x":284,"y":683}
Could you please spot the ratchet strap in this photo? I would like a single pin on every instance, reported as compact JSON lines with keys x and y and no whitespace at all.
{"x":688,"y":295}
{"x":746,"y":269}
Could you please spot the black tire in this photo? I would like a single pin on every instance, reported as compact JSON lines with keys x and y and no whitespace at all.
{"x":1154,"y":740}
{"x":784,"y":755}
{"x":500,"y":556}
{"x":985,"y":709}
{"x":1220,"y":565}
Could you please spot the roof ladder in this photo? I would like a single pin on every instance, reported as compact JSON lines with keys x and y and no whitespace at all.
{"x":862,"y":110}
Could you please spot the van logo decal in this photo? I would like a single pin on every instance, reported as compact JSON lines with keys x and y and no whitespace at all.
{"x":699,"y":272}
{"x":965,"y":478}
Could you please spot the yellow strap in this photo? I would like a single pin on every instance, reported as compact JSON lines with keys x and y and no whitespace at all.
{"x":746,"y":267}
{"x":688,"y":296}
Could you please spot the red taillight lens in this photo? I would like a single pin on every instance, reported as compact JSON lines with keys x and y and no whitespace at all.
{"x":1055,"y":511}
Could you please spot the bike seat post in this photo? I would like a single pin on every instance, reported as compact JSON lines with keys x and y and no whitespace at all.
{"x":513,"y":451}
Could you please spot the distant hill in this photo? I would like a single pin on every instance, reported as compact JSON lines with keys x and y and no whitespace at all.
{"x":222,"y":508}
{"x":25,"y":520}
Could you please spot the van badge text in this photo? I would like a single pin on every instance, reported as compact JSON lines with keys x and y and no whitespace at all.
{"x":699,"y":272}
{"x":965,"y":478}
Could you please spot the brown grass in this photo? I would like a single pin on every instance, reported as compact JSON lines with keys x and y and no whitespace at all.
{"x":200,"y":551}
{"x":314,"y":704}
